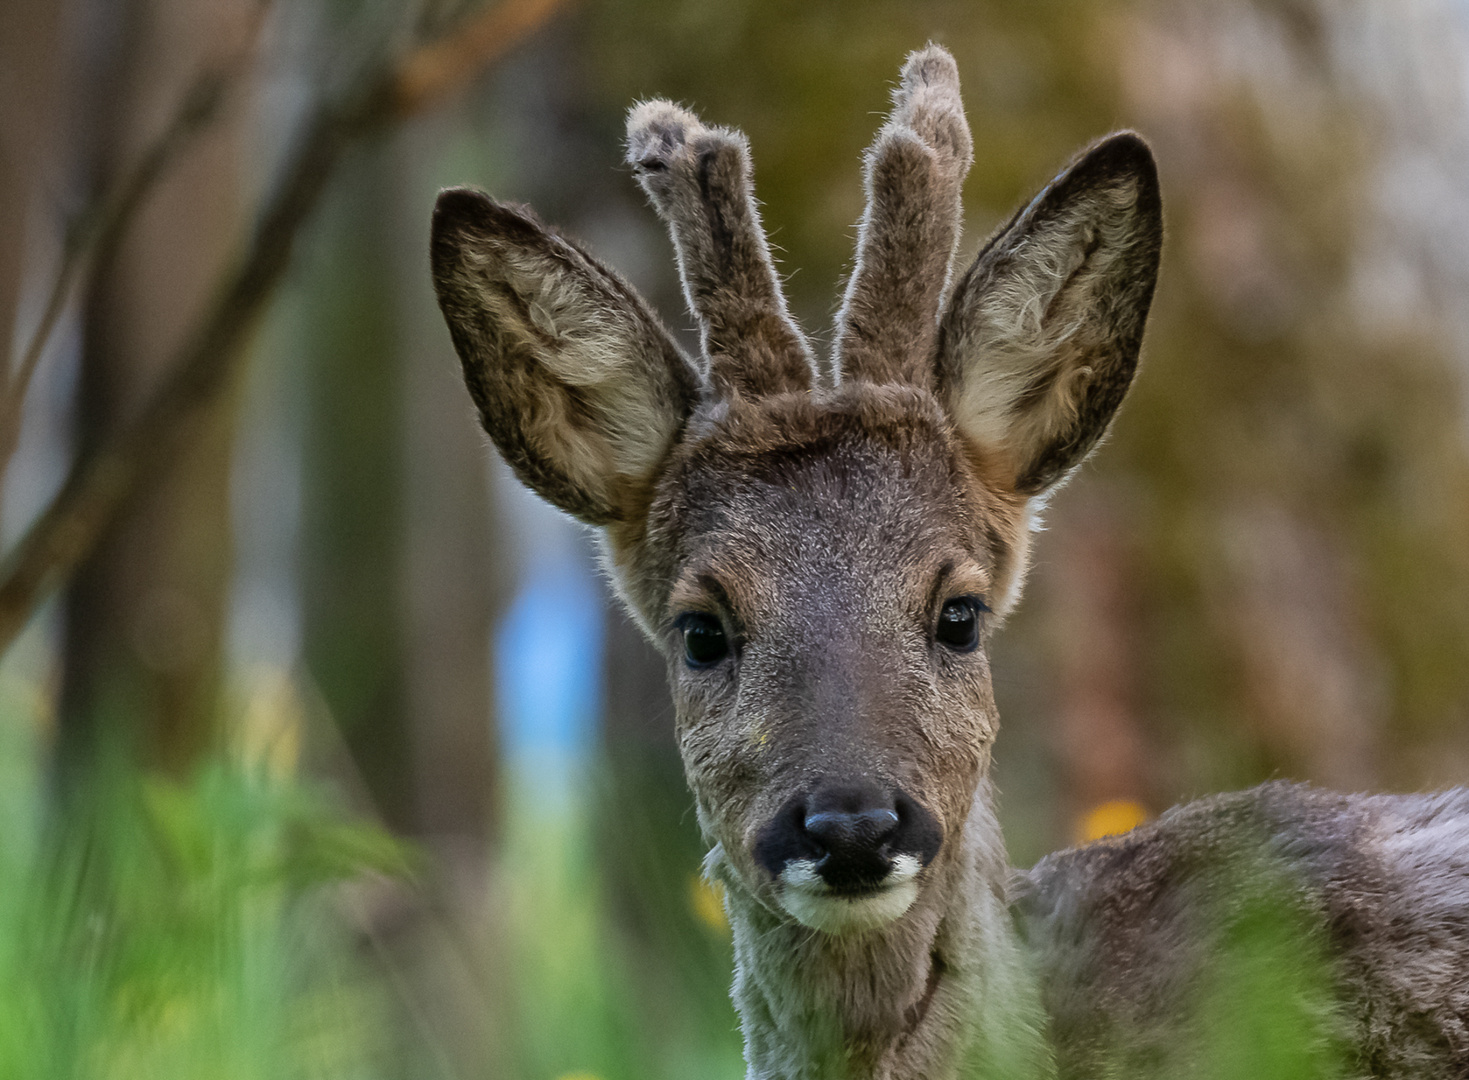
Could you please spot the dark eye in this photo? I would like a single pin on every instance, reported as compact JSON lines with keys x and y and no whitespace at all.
{"x":704,"y":642}
{"x":959,"y":624}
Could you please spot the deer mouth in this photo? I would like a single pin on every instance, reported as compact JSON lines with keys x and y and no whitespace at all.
{"x":848,"y":906}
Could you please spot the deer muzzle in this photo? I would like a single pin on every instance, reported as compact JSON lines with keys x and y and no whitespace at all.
{"x":848,"y":856}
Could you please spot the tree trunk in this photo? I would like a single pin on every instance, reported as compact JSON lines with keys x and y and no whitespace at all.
{"x":145,"y":614}
{"x":455,"y":558}
{"x":352,"y":522}
{"x":30,"y":48}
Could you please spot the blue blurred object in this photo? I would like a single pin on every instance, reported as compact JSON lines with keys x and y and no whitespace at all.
{"x":548,"y":667}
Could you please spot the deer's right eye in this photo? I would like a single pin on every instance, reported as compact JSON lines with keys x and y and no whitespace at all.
{"x":704,"y":643}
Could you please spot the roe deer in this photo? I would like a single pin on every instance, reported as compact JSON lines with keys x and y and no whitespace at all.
{"x":822,"y":552}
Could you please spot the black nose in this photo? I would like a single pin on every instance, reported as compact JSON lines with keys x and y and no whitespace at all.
{"x":850,"y":833}
{"x":838,"y":830}
{"x":852,"y":828}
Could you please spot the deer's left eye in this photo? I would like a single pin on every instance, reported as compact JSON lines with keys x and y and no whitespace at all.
{"x":958,"y":626}
{"x":704,"y":641}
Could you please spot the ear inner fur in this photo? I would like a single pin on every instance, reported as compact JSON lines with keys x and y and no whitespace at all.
{"x":698,"y":179}
{"x":578,"y":383}
{"x":1040,"y":340}
{"x":888,"y":324}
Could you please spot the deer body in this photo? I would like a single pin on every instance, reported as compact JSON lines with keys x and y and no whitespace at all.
{"x":821,"y":554}
{"x":1124,"y":932}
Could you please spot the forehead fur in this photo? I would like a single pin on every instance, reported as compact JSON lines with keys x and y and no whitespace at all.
{"x":850,"y":442}
{"x":759,"y":433}
{"x":874,"y":446}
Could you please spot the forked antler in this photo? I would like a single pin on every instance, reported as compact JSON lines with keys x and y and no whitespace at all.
{"x":698,"y":179}
{"x":887,"y":329}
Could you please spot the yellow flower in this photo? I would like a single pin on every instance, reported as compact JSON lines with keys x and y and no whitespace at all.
{"x":1111,"y":818}
{"x":706,"y":900}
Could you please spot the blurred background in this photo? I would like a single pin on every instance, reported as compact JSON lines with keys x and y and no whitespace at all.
{"x":323,"y":751}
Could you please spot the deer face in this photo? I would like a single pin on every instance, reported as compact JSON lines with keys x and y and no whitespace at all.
{"x":837,"y":562}
{"x":820,"y":560}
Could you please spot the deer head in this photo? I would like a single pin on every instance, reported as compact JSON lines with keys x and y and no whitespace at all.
{"x":821,"y":554}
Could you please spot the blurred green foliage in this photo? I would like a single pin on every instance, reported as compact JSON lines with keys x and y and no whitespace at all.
{"x":1268,"y":1011}
{"x":592,"y":994}
{"x":221,"y":926}
{"x":182,"y":928}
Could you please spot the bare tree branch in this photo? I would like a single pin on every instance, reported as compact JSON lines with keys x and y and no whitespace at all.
{"x":100,"y":482}
{"x":103,"y":225}
{"x":437,"y":71}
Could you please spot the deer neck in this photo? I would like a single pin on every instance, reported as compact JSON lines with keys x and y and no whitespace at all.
{"x":903,"y":1003}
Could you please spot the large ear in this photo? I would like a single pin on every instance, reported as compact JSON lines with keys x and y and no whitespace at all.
{"x":1040,"y":338}
{"x":576,"y":380}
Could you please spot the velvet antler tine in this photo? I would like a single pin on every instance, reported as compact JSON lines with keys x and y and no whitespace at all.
{"x":887,"y":329}
{"x":698,"y":179}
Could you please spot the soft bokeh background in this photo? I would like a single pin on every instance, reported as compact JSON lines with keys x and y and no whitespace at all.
{"x":331,"y":757}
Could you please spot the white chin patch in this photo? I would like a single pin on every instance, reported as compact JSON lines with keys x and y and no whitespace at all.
{"x":810,"y":901}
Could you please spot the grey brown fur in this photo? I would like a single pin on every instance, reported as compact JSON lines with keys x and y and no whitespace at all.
{"x":823,"y":529}
{"x":1122,"y":931}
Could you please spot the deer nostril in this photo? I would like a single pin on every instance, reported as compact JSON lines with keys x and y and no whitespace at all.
{"x":839,"y":832}
{"x":852,"y":832}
